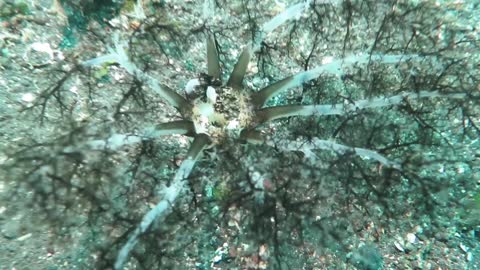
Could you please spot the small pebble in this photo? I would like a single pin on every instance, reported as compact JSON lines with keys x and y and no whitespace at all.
{"x":442,"y":237}
{"x":399,"y":246}
{"x":411,"y":238}
{"x":469,"y":256}
{"x":24,"y":237}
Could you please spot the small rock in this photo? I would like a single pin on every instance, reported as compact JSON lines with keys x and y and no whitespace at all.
{"x":10,"y":229}
{"x":24,"y":237}
{"x":451,"y":244}
{"x":399,"y":247}
{"x":422,"y":237}
{"x":411,"y":238}
{"x":418,"y":229}
{"x":2,"y":209}
{"x":409,"y":247}
{"x":469,"y":256}
{"x":367,"y":257}
{"x":441,"y":236}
